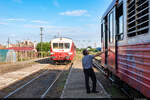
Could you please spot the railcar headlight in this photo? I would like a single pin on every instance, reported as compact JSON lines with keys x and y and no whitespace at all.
{"x":52,"y":53}
{"x":70,"y":53}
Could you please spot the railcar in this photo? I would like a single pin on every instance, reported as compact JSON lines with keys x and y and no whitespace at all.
{"x":62,"y":49}
{"x":125,"y":33}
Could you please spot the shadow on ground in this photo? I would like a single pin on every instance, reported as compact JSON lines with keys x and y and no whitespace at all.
{"x":48,"y":61}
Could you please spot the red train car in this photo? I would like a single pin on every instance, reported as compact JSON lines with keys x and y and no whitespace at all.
{"x":125,"y":33}
{"x":62,"y":49}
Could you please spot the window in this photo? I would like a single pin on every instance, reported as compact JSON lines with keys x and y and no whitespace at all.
{"x":111,"y":32}
{"x":55,"y":45}
{"x":60,"y":45}
{"x":102,"y":32}
{"x":66,"y":45}
{"x":120,"y":24}
{"x":120,"y":29}
{"x":137,"y":17}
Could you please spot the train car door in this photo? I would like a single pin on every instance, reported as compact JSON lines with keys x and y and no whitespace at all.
{"x":111,"y":42}
{"x":106,"y":40}
{"x":119,"y":26}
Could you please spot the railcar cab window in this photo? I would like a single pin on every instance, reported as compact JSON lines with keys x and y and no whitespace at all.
{"x":119,"y":18}
{"x":60,"y":45}
{"x":66,"y":45}
{"x":55,"y":46}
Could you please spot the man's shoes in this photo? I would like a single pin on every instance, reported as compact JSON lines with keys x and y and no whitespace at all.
{"x":95,"y":91}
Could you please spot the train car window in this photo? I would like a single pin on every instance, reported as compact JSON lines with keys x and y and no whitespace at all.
{"x":101,"y":32}
{"x":120,"y":24}
{"x":66,"y":45}
{"x":137,"y":17}
{"x":55,"y":45}
{"x":60,"y":45}
{"x":120,"y":29}
{"x":111,"y":27}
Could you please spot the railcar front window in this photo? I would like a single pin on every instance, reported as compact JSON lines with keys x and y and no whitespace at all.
{"x":60,"y":45}
{"x":55,"y":45}
{"x":66,"y":45}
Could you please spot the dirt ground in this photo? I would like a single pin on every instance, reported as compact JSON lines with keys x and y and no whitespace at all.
{"x":10,"y":67}
{"x":58,"y":87}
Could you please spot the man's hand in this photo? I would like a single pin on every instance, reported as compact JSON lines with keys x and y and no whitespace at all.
{"x":98,"y":54}
{"x":106,"y":50}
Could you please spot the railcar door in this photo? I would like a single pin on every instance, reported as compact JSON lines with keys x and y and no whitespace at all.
{"x":111,"y":42}
{"x":119,"y":27}
{"x":106,"y":41}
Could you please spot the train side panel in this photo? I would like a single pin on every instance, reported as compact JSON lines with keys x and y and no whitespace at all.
{"x":132,"y":48}
{"x":134,"y":66}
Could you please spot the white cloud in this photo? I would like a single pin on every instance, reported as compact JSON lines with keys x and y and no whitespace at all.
{"x":2,"y":23}
{"x":39,"y":21}
{"x":38,"y":26}
{"x":75,"y":13}
{"x":16,"y":19}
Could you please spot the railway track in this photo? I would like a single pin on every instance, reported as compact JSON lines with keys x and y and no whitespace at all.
{"x":39,"y":86}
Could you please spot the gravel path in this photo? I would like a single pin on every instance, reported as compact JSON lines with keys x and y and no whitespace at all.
{"x":75,"y":86}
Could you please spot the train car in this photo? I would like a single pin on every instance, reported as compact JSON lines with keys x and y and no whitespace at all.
{"x":125,"y":33}
{"x":62,"y":49}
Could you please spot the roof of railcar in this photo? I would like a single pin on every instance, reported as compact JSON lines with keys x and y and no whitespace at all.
{"x":109,"y":8}
{"x":62,"y":38}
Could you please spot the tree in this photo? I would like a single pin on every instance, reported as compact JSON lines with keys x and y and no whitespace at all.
{"x":45,"y":46}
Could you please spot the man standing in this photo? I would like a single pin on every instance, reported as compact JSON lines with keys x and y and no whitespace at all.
{"x":88,"y":71}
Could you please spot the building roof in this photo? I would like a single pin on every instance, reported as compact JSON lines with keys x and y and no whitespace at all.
{"x":22,"y":48}
{"x":2,"y":47}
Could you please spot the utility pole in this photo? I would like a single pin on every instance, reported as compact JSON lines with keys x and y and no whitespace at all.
{"x":41,"y":34}
{"x":58,"y":35}
{"x":8,"y":42}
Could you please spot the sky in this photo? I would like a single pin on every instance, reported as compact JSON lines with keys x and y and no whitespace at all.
{"x":77,"y":19}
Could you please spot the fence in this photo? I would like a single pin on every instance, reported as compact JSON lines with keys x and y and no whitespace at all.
{"x":7,"y":56}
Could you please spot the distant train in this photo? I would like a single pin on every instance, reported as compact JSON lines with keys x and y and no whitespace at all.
{"x":62,"y":49}
{"x":125,"y":33}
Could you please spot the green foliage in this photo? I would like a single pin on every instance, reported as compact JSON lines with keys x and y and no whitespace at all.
{"x":90,"y":49}
{"x":45,"y":46}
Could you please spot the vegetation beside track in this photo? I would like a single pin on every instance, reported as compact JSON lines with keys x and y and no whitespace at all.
{"x":58,"y":87}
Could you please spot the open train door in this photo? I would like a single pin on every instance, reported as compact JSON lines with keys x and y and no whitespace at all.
{"x":119,"y":27}
{"x":113,"y":33}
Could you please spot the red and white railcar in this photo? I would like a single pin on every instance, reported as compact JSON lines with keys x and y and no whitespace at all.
{"x":62,"y":49}
{"x":125,"y":33}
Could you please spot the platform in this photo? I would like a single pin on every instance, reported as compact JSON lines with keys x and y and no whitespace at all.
{"x":75,"y":85}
